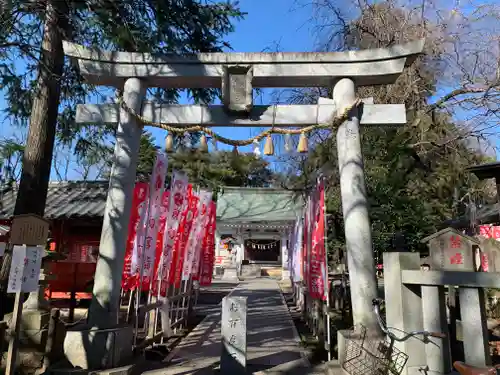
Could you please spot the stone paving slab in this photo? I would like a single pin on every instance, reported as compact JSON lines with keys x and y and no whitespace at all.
{"x":273,"y":345}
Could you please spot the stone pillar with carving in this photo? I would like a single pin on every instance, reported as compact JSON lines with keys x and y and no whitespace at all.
{"x":357,"y":226}
{"x":111,"y":343}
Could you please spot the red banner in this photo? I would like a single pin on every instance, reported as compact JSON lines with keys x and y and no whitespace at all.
{"x":208,"y":249}
{"x":181,"y":240}
{"x":317,"y":261}
{"x":141,"y":190}
{"x":178,"y":201}
{"x":149,"y":235}
{"x":159,"y":239}
{"x":305,"y":244}
{"x":489,"y":231}
{"x":192,"y":262}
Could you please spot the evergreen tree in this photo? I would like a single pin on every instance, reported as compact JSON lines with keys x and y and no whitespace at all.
{"x":11,"y":153}
{"x":415,"y":174}
{"x":36,"y":78}
{"x":207,"y":170}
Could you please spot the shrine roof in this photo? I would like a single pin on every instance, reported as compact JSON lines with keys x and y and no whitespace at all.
{"x":487,"y":170}
{"x":73,"y":199}
{"x":486,"y":214}
{"x":445,"y":231}
{"x":68,"y":199}
{"x":250,"y":205}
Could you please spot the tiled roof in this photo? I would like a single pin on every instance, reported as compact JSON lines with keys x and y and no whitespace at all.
{"x":239,"y":205}
{"x":64,"y":199}
{"x":234,"y":205}
{"x":487,"y":214}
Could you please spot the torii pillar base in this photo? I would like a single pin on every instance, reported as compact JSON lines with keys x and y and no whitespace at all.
{"x":91,"y":348}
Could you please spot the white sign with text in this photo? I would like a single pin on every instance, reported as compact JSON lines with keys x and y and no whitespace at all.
{"x":25,"y":269}
{"x":16,"y":269}
{"x":32,"y":266}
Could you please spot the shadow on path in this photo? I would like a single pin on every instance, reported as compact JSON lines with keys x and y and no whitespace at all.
{"x":272,"y":343}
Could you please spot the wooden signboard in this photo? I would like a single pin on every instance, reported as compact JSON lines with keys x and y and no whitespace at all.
{"x":29,"y":230}
{"x":450,"y":250}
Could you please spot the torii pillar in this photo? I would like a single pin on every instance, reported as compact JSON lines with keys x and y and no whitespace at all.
{"x":237,"y":74}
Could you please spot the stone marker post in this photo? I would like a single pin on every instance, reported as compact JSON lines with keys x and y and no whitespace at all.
{"x":403,"y":306}
{"x":434,"y":320}
{"x":450,"y":250}
{"x":234,"y":335}
{"x":355,"y":209}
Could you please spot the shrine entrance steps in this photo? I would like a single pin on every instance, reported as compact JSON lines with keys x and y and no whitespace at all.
{"x":273,"y":344}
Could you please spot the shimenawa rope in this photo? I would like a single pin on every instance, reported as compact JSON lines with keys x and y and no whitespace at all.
{"x":335,"y":122}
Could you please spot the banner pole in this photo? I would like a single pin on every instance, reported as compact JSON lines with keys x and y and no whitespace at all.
{"x":153,"y":193}
{"x":327,"y":285}
{"x":141,"y":274}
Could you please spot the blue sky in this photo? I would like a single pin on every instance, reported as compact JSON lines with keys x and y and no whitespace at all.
{"x":281,"y":26}
{"x":270,"y":25}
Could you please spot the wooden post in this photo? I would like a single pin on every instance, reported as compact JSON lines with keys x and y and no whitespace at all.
{"x":130,"y":306}
{"x":14,"y":337}
{"x":72,"y":300}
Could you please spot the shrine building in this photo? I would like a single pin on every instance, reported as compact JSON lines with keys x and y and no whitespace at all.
{"x":256,"y":218}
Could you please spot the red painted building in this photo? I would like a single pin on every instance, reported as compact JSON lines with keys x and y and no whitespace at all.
{"x":75,"y":211}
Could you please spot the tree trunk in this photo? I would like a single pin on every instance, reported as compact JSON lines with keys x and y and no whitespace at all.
{"x":37,"y":159}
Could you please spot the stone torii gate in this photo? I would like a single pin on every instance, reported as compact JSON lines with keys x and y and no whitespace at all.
{"x":237,"y":74}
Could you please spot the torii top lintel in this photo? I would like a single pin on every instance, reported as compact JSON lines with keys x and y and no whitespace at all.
{"x":204,"y":70}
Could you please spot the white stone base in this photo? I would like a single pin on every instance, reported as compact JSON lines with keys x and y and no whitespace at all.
{"x":342,"y":337}
{"x":230,"y":274}
{"x":98,"y":349}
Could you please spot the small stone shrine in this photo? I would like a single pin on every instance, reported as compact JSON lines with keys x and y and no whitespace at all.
{"x":450,"y":250}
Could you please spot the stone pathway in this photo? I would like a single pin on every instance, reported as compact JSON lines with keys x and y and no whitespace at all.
{"x":272,"y":340}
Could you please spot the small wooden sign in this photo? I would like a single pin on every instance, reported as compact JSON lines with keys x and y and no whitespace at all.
{"x":29,"y":229}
